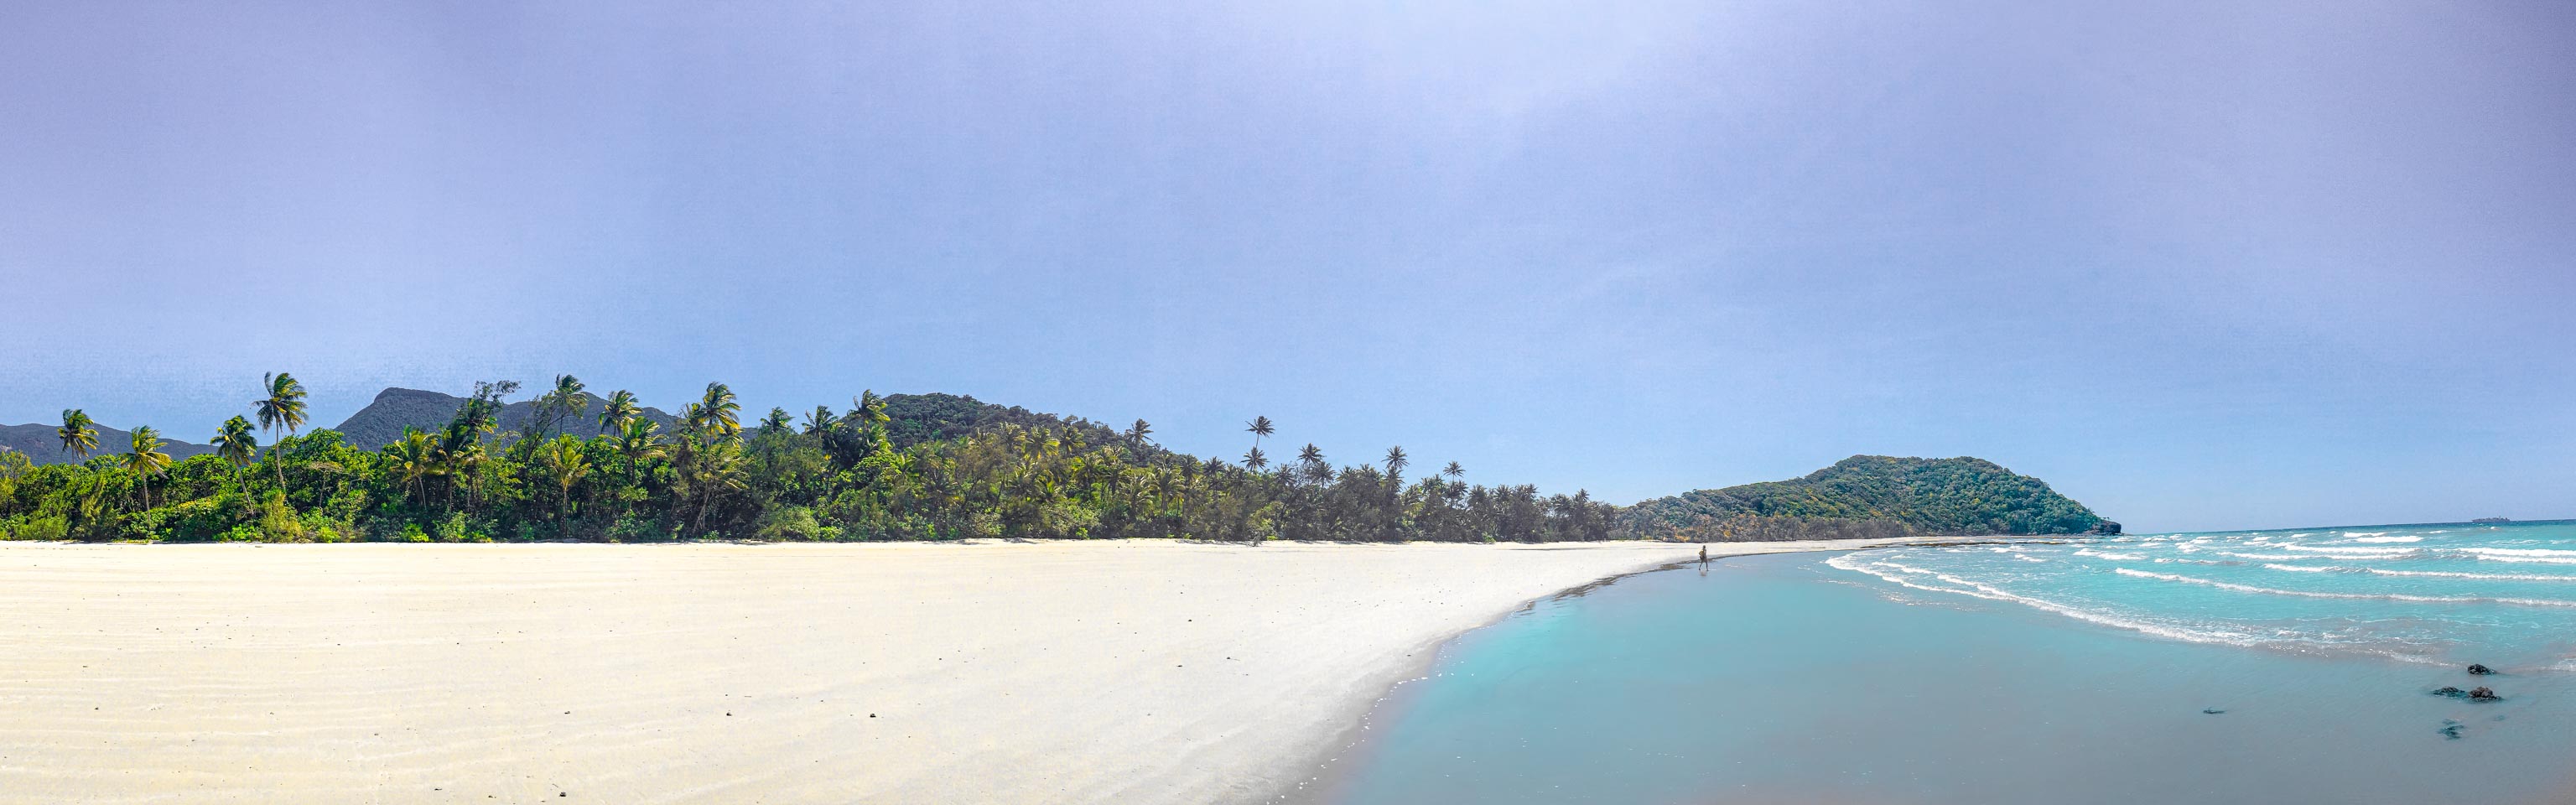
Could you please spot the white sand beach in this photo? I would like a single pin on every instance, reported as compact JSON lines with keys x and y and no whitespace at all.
{"x":1110,"y":671}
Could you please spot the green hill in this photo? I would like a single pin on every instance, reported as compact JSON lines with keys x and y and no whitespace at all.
{"x":1866,"y":496}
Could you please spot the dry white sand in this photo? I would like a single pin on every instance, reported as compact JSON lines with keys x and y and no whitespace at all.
{"x":1112,"y":671}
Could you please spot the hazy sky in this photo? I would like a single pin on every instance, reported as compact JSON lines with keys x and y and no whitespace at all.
{"x":2199,"y":265}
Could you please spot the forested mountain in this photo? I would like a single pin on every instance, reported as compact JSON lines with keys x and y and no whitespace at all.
{"x":382,"y":421}
{"x":912,"y":418}
{"x":1872,"y":496}
{"x":41,"y":445}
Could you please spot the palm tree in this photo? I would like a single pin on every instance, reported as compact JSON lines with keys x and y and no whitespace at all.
{"x":565,"y":465}
{"x":466,"y":460}
{"x":716,"y":413}
{"x":1259,"y":427}
{"x":821,"y":420}
{"x":1136,"y":434}
{"x":1454,"y":471}
{"x":147,"y":460}
{"x":1254,"y":459}
{"x":617,"y":410}
{"x":867,"y":409}
{"x":639,"y":440}
{"x":415,"y":456}
{"x":554,"y":407}
{"x":79,"y":434}
{"x":1396,"y":461}
{"x":778,"y":421}
{"x":13,"y":466}
{"x":712,"y":467}
{"x":282,"y":408}
{"x":235,"y":444}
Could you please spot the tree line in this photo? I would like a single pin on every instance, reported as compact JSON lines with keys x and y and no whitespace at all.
{"x":824,"y":474}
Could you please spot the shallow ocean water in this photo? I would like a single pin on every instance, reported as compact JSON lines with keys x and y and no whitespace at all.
{"x":2024,"y":672}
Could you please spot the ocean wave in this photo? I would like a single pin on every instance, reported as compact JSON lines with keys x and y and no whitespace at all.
{"x":2519,"y":552}
{"x":2377,"y":538}
{"x":2365,"y":533}
{"x":2423,"y":599}
{"x":2125,"y":556}
{"x":1976,"y":590}
{"x":2430,"y":574}
{"x":1907,"y":576}
{"x":2271,"y":556}
{"x":2345,"y":550}
{"x":2522,"y":555}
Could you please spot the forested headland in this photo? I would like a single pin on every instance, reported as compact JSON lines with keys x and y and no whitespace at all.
{"x":1869,"y":496}
{"x":570,"y":465}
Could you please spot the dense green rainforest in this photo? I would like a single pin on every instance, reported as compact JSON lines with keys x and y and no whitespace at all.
{"x":570,"y":465}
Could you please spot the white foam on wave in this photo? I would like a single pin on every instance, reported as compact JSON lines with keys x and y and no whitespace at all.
{"x":2269,"y":556}
{"x":2107,"y":555}
{"x":1904,"y":573}
{"x":2423,"y":599}
{"x":2028,"y":558}
{"x":1926,"y":580}
{"x":2346,"y":550}
{"x":2402,"y":538}
{"x":2524,"y":555}
{"x":2520,"y":552}
{"x":2365,"y":533}
{"x":2430,"y":574}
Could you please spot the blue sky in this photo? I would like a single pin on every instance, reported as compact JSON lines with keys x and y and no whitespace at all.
{"x":2200,"y":265}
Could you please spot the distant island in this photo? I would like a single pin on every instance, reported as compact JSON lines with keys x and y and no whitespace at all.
{"x":567,"y":464}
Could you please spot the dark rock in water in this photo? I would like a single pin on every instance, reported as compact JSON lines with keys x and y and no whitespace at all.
{"x":2212,"y":711}
{"x":2481,"y":670}
{"x":2451,"y":729}
{"x":2484,"y":694}
{"x":2450,"y":691}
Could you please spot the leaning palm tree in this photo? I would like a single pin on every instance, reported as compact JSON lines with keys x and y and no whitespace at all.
{"x":563,"y":403}
{"x":1136,"y":434}
{"x":79,"y":433}
{"x":617,"y":410}
{"x":236,"y":445}
{"x":415,"y":456}
{"x":283,"y":408}
{"x":564,"y":464}
{"x":147,"y":460}
{"x":716,"y":413}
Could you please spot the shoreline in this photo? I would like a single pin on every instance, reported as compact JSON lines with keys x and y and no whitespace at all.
{"x":1129,"y":671}
{"x":1354,"y":733}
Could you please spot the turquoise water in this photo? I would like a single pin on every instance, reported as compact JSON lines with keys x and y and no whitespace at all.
{"x":2020,"y":672}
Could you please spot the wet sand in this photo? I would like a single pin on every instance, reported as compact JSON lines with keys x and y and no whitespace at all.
{"x":1096,"y":671}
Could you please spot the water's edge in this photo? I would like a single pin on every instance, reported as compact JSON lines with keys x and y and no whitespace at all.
{"x":1324,"y":768}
